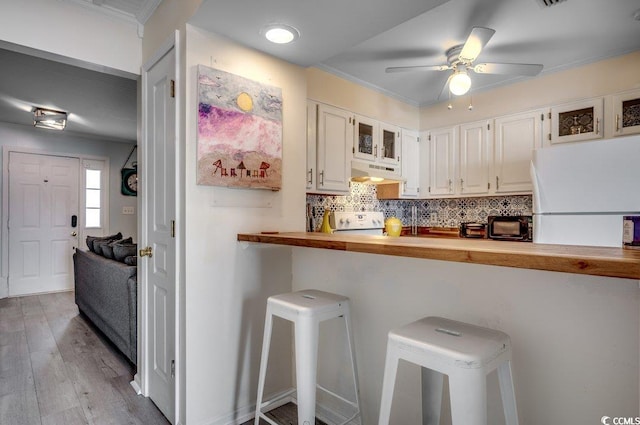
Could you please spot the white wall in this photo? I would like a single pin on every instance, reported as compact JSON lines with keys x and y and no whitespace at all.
{"x":227,"y":284}
{"x":575,"y":338}
{"x":59,"y":142}
{"x":68,"y":29}
{"x":333,"y":90}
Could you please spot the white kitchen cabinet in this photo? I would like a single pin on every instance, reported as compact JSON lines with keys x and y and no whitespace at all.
{"x":365,"y":141}
{"x":515,"y":138}
{"x":335,"y":135}
{"x":577,"y":121}
{"x":626,"y":113}
{"x":473,"y":159}
{"x":425,"y":164}
{"x":410,"y":147}
{"x":442,"y":144}
{"x":312,"y":142}
{"x":389,"y":144}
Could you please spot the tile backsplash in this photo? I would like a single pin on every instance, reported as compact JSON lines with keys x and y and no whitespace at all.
{"x":448,"y":212}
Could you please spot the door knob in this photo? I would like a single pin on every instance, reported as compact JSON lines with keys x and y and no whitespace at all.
{"x":146,"y":252}
{"x":74,"y":234}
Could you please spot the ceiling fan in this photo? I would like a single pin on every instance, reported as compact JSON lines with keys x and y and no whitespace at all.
{"x":460,"y":59}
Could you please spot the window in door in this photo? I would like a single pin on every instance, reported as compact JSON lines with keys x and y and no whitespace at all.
{"x":95,"y":201}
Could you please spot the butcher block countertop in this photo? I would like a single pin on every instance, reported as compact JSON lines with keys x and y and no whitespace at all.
{"x":597,"y":261}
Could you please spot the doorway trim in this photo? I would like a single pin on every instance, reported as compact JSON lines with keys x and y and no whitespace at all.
{"x":4,"y":240}
{"x":141,"y":379}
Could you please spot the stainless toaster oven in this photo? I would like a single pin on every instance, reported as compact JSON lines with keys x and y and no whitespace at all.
{"x":510,"y":228}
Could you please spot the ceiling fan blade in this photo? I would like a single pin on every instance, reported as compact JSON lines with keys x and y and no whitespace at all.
{"x":418,"y":68}
{"x":508,"y":68}
{"x":478,"y":38}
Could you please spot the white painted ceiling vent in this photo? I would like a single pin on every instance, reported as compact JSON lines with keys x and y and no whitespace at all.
{"x":548,"y":3}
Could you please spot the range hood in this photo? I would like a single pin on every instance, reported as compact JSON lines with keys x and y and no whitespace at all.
{"x":368,"y":172}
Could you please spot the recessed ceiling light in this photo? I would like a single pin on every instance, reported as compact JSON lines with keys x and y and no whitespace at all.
{"x":280,"y":33}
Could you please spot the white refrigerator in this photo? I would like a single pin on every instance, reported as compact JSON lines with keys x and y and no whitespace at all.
{"x":582,"y":190}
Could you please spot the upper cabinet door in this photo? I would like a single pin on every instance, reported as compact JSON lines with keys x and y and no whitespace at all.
{"x":366,"y":138}
{"x":312,"y":142}
{"x":389,"y":144}
{"x":441,"y":161}
{"x":335,"y":133}
{"x":474,"y":158}
{"x":626,"y":113}
{"x":577,"y":121}
{"x":516,"y":137}
{"x":410,"y":163}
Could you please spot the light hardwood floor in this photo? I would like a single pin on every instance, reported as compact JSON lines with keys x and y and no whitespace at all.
{"x":57,"y":369}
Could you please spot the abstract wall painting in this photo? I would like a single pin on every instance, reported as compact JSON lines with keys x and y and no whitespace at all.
{"x":239,"y":131}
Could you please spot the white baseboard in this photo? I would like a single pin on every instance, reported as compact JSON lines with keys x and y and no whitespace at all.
{"x":4,"y":287}
{"x":246,"y":413}
{"x":135,"y":386}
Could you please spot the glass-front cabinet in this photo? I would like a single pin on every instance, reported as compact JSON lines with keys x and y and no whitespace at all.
{"x":577,"y":121}
{"x":389,"y":144}
{"x":626,"y":110}
{"x":366,"y":138}
{"x":376,"y":141}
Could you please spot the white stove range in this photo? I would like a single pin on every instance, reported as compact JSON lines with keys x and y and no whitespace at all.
{"x":364,"y":223}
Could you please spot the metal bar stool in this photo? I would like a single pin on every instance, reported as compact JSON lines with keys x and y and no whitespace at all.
{"x":464,"y":352}
{"x":306,"y":309}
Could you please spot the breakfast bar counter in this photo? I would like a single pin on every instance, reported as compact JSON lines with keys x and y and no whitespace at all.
{"x":596,"y":261}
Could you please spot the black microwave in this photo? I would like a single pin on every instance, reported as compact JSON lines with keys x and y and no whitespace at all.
{"x":510,"y":228}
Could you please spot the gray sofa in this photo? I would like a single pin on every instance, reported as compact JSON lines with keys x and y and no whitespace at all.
{"x":106,"y":292}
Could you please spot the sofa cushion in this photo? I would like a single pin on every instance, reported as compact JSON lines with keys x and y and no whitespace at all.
{"x":107,"y":248}
{"x":92,"y":239}
{"x":131,"y":260}
{"x":122,"y":251}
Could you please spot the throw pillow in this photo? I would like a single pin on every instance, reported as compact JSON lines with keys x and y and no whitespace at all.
{"x":107,"y":248}
{"x":131,"y":260}
{"x":122,"y":251}
{"x":98,"y":246}
{"x":92,"y":239}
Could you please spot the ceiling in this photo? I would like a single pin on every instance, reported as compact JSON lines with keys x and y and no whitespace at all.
{"x":100,"y":105}
{"x":358,"y":39}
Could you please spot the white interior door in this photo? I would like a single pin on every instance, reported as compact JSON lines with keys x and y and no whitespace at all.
{"x":43,"y":195}
{"x":158,"y":187}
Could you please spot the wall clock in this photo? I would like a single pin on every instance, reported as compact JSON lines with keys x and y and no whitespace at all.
{"x":129,"y":186}
{"x":129,"y":181}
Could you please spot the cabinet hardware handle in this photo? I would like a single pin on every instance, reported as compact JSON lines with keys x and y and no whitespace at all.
{"x":375,"y":151}
{"x":322,"y":178}
{"x":617,"y":123}
{"x":398,"y":159}
{"x":461,"y":185}
{"x":497,"y":183}
{"x":598,"y":126}
{"x":449,"y":185}
{"x":310,"y":172}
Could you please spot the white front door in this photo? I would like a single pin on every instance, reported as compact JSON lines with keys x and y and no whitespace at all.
{"x":159,"y":192}
{"x":43,"y":196}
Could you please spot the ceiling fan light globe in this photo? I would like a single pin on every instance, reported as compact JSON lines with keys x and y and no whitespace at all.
{"x":460,"y":83}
